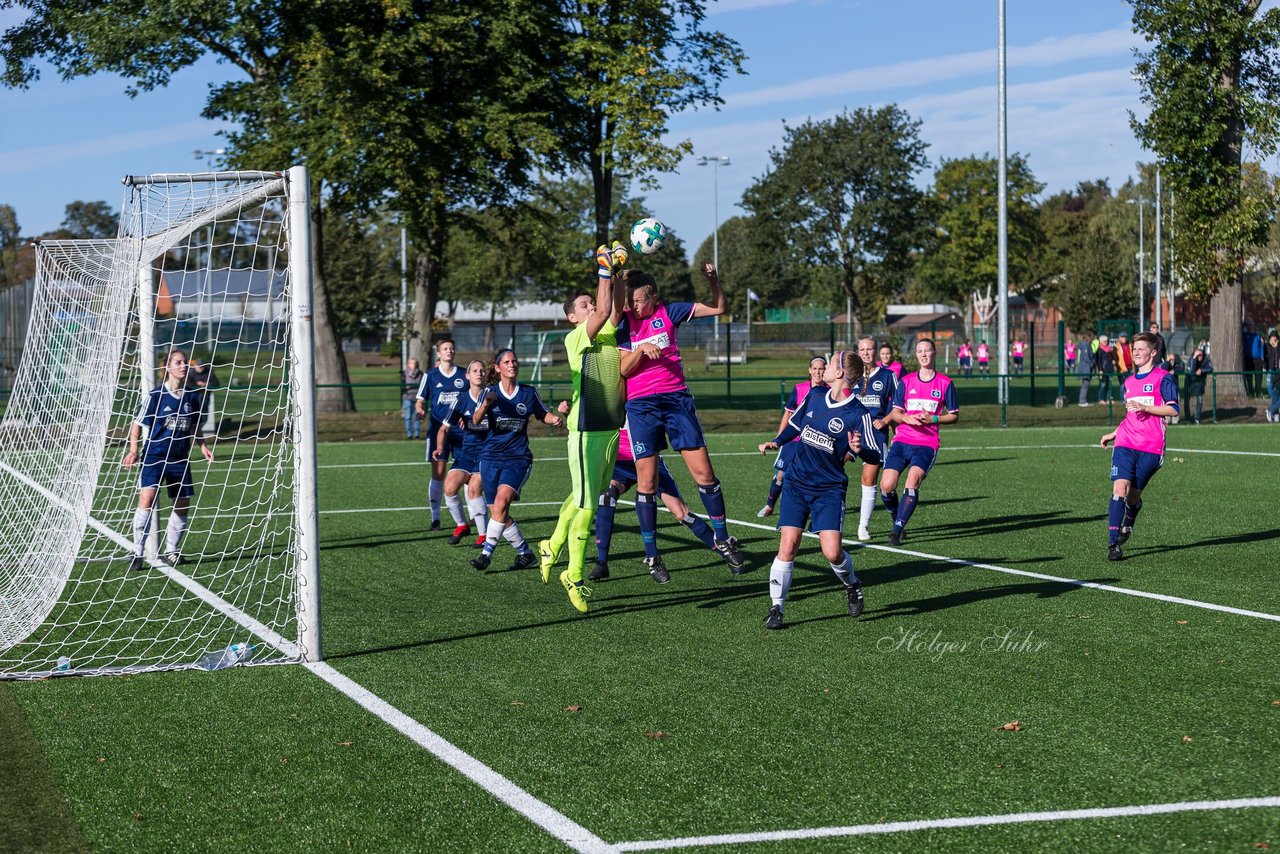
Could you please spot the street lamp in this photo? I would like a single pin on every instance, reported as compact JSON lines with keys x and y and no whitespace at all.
{"x":207,"y":154}
{"x":1142,"y":268}
{"x":716,"y":161}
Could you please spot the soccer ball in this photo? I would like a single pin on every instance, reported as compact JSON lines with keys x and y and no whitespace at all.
{"x":648,"y":235}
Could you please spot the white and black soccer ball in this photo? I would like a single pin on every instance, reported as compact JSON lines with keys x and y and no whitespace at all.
{"x":648,"y":235}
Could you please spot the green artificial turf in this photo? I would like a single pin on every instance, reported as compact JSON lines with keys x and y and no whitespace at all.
{"x":670,"y":711}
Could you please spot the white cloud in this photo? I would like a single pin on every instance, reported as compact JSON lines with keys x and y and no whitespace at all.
{"x":39,"y":157}
{"x":1046,"y":53}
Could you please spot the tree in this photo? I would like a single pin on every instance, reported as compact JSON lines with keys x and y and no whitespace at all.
{"x":842,"y":194}
{"x":10,"y":241}
{"x":363,"y":267}
{"x":753,"y":257}
{"x":961,"y":255}
{"x":1097,"y":284}
{"x":90,"y":221}
{"x":622,"y":68}
{"x":1210,"y":79}
{"x":1064,"y":225}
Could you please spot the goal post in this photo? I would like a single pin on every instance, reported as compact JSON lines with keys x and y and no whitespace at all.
{"x":229,"y":553}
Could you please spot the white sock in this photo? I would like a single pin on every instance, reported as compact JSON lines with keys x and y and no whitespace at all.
{"x":492,"y":535}
{"x":141,"y":527}
{"x":868,"y":506}
{"x":476,"y":506}
{"x":780,"y":580}
{"x":456,"y":510}
{"x":173,"y":533}
{"x":513,"y":535}
{"x":435,"y":493}
{"x":844,"y":570}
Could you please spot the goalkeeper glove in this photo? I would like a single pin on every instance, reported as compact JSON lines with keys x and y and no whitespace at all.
{"x":609,"y":259}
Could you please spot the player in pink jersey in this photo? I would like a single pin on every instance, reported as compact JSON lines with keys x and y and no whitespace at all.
{"x":887,"y":360}
{"x":1150,"y":396}
{"x":817,"y":367}
{"x":1069,"y":351}
{"x":984,"y":359}
{"x":660,"y":409}
{"x":1018,"y":350}
{"x":923,"y":400}
{"x":964,"y":356}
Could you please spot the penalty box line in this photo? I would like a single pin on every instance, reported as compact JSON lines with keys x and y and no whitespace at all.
{"x":943,"y":823}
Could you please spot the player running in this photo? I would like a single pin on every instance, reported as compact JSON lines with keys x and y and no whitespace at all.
{"x":172,"y":416}
{"x":624,"y":477}
{"x":466,"y":459}
{"x":439,"y":388}
{"x":874,"y":389}
{"x":660,"y":408}
{"x":923,"y":400}
{"x":817,"y":367}
{"x":506,"y":409}
{"x":827,"y":424}
{"x":594,"y":417}
{"x":1150,"y":396}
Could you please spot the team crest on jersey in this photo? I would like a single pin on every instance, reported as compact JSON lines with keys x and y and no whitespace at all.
{"x":458,"y":383}
{"x":656,"y":323}
{"x":522,"y":409}
{"x":836,"y":425}
{"x":1148,"y":387}
{"x":878,"y":385}
{"x":638,"y":447}
{"x":936,"y":393}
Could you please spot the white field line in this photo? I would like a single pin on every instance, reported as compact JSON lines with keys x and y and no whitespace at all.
{"x":553,"y":822}
{"x":572,"y":834}
{"x":938,"y":823}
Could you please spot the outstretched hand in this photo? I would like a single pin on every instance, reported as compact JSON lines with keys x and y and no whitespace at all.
{"x":709,"y":270}
{"x":765,"y":447}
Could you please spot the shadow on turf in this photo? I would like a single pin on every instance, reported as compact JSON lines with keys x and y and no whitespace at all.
{"x":995,"y":526}
{"x":1249,"y":537}
{"x":968,"y":461}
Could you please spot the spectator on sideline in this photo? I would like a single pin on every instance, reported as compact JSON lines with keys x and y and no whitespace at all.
{"x":1104,"y":364}
{"x":1084,"y":370}
{"x":411,"y":379}
{"x":1122,"y":355}
{"x":1198,"y":369}
{"x":1172,"y":365}
{"x":1069,"y":352}
{"x":1271,"y":363}
{"x":1251,"y":360}
{"x":200,"y":375}
{"x":1162,"y":348}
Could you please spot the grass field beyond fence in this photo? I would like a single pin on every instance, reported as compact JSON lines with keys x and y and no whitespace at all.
{"x":669,"y":712}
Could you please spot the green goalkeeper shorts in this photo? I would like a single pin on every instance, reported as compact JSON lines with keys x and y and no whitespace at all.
{"x":591,"y":458}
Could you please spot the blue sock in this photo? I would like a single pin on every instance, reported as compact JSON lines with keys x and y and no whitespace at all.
{"x":1130,"y":514}
{"x":908,"y":506}
{"x":604,"y":524}
{"x":1115,"y":518}
{"x":713,"y":500}
{"x":890,"y":500}
{"x":775,"y":489}
{"x":647,"y":513}
{"x":700,"y":529}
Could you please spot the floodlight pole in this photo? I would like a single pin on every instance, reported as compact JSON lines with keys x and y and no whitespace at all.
{"x":715,"y":160}
{"x":404,"y":300}
{"x":1159,"y":308}
{"x":1142,"y":264}
{"x":1002,"y":227}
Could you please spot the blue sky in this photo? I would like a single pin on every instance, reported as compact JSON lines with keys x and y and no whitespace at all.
{"x":1069,"y":78}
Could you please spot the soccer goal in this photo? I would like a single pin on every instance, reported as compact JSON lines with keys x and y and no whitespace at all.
{"x":216,"y":265}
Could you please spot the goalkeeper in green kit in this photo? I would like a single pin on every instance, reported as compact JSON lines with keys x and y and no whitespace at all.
{"x":594,"y":416}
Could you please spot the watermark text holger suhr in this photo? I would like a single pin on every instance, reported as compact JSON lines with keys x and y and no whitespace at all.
{"x":935,"y":646}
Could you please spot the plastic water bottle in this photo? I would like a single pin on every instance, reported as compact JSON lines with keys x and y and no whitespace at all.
{"x":218,"y":659}
{"x":64,"y":662}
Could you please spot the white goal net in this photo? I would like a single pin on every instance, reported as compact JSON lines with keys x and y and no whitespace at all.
{"x":222,"y":568}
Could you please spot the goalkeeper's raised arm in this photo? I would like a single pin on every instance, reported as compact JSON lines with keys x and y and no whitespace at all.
{"x":717,"y":305}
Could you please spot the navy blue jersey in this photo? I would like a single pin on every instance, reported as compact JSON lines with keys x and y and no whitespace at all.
{"x":823,"y":426}
{"x":508,"y":422}
{"x":439,"y":390}
{"x":875,"y":391}
{"x":459,"y":420}
{"x":169,"y":421}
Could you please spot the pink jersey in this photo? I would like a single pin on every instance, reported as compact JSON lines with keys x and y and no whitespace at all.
{"x":665,"y":373}
{"x":624,"y":445}
{"x":963,"y":352}
{"x":896,"y":367}
{"x":983,"y":353}
{"x":1018,"y":347}
{"x":1070,"y":350}
{"x":797,"y":397}
{"x":1139,"y":430}
{"x":936,"y":396}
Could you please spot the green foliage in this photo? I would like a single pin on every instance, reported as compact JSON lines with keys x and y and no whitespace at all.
{"x":91,"y":220}
{"x":1064,"y":224}
{"x":362,"y":268}
{"x":841,"y":194}
{"x":1097,"y":282}
{"x":754,"y":256}
{"x":10,"y":241}
{"x":961,"y":255}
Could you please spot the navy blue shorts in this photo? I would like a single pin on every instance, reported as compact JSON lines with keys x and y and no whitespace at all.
{"x":786,"y":454}
{"x":664,"y":418}
{"x":465,"y":461}
{"x":1137,"y":467}
{"x":624,"y":472}
{"x":452,"y":443}
{"x":903,"y":457}
{"x":824,"y":510}
{"x":512,"y":473}
{"x":175,"y":475}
